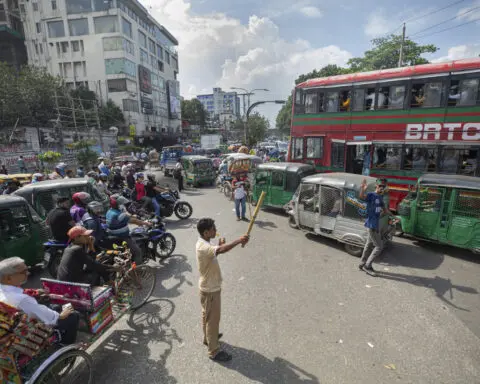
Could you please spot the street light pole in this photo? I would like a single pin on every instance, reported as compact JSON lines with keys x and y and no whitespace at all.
{"x":251,"y":108}
{"x":248,"y":94}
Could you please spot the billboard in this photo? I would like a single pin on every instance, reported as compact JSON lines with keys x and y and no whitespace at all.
{"x":173,"y":94}
{"x":145,"y":77}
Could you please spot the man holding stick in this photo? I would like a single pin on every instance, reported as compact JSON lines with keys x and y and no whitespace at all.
{"x":210,"y":284}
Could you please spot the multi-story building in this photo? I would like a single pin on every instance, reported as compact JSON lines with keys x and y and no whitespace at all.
{"x":220,"y":102}
{"x":12,"y":47}
{"x":113,"y":47}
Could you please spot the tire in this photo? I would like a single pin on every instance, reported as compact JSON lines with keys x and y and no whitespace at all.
{"x":183,"y":210}
{"x":128,"y":289}
{"x":53,"y":372}
{"x":227,"y":191}
{"x":353,"y":250}
{"x":165,"y":246}
{"x":291,"y":222}
{"x":54,"y":263}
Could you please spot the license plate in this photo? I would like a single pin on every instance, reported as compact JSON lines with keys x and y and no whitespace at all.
{"x":46,"y":257}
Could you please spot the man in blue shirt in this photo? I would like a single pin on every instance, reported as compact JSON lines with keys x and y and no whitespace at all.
{"x":375,"y":209}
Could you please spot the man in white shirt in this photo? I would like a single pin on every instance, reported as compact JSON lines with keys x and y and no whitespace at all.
{"x":179,"y":174}
{"x":240,"y":197}
{"x":13,"y":274}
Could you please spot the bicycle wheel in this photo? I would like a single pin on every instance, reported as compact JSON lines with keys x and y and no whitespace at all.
{"x":137,"y":286}
{"x":72,"y":367}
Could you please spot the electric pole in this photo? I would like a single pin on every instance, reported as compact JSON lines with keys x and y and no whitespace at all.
{"x":400,"y":59}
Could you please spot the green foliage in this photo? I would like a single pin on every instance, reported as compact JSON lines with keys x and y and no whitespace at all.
{"x":284,"y":118}
{"x":87,"y":97}
{"x":386,"y":52}
{"x":194,"y":112}
{"x":49,"y":156}
{"x":329,"y":70}
{"x":257,"y":128}
{"x":110,"y":115}
{"x":129,"y":149}
{"x":87,"y":157}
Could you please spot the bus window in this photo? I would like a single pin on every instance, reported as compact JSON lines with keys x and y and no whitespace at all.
{"x":387,"y":156}
{"x":314,"y":147}
{"x":331,"y":102}
{"x":420,"y":158}
{"x":370,"y":99}
{"x":338,"y":155}
{"x":448,"y":160}
{"x":469,"y":159}
{"x":396,"y":97}
{"x":358,"y":99}
{"x":345,"y":101}
{"x":464,"y":93}
{"x":299,"y":101}
{"x":297,"y":150}
{"x":311,"y":102}
{"x":383,"y":100}
{"x":427,"y":95}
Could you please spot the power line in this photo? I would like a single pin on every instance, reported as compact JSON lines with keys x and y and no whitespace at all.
{"x":447,"y":29}
{"x":435,"y":11}
{"x":445,"y":21}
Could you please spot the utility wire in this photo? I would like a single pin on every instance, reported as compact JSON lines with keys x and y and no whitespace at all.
{"x":433,"y":12}
{"x":445,"y":21}
{"x":447,"y":29}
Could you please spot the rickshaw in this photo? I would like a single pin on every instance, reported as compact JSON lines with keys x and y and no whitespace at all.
{"x":21,"y":178}
{"x":44,"y":194}
{"x":198,"y":170}
{"x":279,"y":181}
{"x":31,"y":352}
{"x":239,"y":164}
{"x":22,"y":231}
{"x":138,"y":164}
{"x":328,"y":204}
{"x":444,"y":209}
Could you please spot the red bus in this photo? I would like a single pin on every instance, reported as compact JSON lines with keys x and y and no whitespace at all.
{"x":395,"y":123}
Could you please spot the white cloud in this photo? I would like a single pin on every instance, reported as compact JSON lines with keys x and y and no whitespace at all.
{"x":311,"y":11}
{"x":460,"y":52}
{"x":217,"y":50}
{"x":469,"y":13}
{"x":377,"y":25}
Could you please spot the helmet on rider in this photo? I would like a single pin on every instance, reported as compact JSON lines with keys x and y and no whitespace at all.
{"x":81,"y":198}
{"x":37,"y":177}
{"x":117,"y":200}
{"x":117,"y":170}
{"x":95,"y":208}
{"x":139,"y":176}
{"x":103,"y":177}
{"x":151,"y":177}
{"x":93,"y":175}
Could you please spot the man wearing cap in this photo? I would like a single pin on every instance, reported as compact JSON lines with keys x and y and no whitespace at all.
{"x":375,"y":209}
{"x":75,"y":258}
{"x":60,"y":220}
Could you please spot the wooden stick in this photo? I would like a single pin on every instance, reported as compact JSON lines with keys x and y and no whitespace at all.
{"x":255,"y":213}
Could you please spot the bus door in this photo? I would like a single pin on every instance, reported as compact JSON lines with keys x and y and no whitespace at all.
{"x":358,"y":158}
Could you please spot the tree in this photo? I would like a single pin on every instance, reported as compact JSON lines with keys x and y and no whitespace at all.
{"x":386,"y":52}
{"x":110,"y":115}
{"x":194,"y":112}
{"x":284,"y":118}
{"x":257,"y":128}
{"x":328,"y":70}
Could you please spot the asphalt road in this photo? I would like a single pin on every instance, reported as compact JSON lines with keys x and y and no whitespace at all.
{"x":297,"y":310}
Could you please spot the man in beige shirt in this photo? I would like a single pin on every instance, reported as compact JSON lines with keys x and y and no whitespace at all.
{"x":210,"y":284}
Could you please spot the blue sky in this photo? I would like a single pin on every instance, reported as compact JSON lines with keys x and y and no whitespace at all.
{"x":268,"y":43}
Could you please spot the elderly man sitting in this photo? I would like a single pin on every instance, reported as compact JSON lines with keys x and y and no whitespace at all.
{"x":13,"y":274}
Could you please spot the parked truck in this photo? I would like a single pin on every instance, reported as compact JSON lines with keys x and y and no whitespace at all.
{"x":210,"y":141}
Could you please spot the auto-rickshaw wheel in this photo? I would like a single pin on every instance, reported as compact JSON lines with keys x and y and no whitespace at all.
{"x":353,"y":250}
{"x":291,"y":222}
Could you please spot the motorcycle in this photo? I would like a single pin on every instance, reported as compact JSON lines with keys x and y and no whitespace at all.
{"x":155,"y":242}
{"x":52,"y":256}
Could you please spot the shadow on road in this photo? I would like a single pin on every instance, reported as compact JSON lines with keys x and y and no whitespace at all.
{"x":261,"y":369}
{"x":440,"y":285}
{"x":175,"y":223}
{"x":457,"y":253}
{"x":174,"y":268}
{"x":407,"y":255}
{"x":263,"y":224}
{"x":139,"y":355}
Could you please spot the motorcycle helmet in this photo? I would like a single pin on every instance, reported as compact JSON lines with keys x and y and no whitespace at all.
{"x":81,"y":198}
{"x":95,"y":208}
{"x":117,"y":200}
{"x":139,"y":175}
{"x":151,"y":177}
{"x":117,"y":170}
{"x":37,"y":177}
{"x":93,"y":175}
{"x":103,"y":177}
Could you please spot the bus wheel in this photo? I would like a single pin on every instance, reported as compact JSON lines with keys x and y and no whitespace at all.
{"x":353,"y":250}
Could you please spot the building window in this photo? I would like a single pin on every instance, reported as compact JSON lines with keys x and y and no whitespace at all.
{"x":54,"y":5}
{"x":112,"y":44}
{"x":22,"y":9}
{"x":64,"y":45}
{"x":76,"y":46}
{"x":129,"y":47}
{"x":56,"y":29}
{"x":130,"y":105}
{"x":161,"y":66}
{"x":78,"y":27}
{"x":152,"y":46}
{"x":167,"y":57}
{"x":314,"y":147}
{"x":39,"y":27}
{"x":126,"y":27}
{"x":79,"y":69}
{"x":102,"y":5}
{"x":143,"y":57}
{"x":175,"y":63}
{"x":106,"y":24}
{"x":78,"y":6}
{"x":154,"y":62}
{"x":142,"y":39}
{"x":36,"y":48}
{"x":35,"y":6}
{"x":160,"y":52}
{"x":117,"y":85}
{"x":120,"y":66}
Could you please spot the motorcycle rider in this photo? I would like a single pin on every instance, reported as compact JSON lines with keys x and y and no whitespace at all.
{"x":79,"y":207}
{"x":140,"y":194}
{"x":92,"y":221}
{"x":118,"y":179}
{"x":60,"y":220}
{"x":36,"y":177}
{"x":102,"y":184}
{"x":117,"y":224}
{"x":152,"y":189}
{"x":130,"y":178}
{"x":58,"y":172}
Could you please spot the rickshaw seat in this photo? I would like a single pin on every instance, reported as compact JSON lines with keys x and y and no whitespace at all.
{"x":94,"y":303}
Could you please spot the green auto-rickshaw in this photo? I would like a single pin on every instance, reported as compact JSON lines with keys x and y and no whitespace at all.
{"x":44,"y":194}
{"x":279,"y":181}
{"x":444,"y":209}
{"x":22,"y":230}
{"x":198,"y":170}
